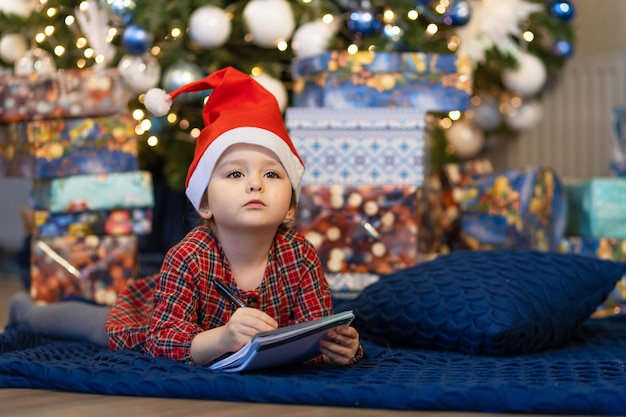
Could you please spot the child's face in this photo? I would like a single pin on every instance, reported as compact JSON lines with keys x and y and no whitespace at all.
{"x":249,"y":188}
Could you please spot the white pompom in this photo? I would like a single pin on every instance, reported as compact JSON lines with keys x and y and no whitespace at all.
{"x":157,"y":101}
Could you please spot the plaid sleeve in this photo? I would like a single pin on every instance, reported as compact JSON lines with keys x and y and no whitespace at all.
{"x":174,"y":321}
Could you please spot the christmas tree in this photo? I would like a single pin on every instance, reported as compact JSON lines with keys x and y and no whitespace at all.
{"x":516,"y":47}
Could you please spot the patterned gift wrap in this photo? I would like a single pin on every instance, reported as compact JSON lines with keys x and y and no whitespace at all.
{"x":603,"y":248}
{"x":347,"y":286}
{"x":364,"y":229}
{"x":597,"y":207}
{"x":360,"y":157}
{"x":618,"y":157}
{"x":94,"y":268}
{"x":64,"y":147}
{"x":62,"y":94}
{"x":524,"y":208}
{"x":438,"y":209}
{"x":401,"y":118}
{"x":100,"y":222}
{"x":341,"y":80}
{"x":127,"y":190}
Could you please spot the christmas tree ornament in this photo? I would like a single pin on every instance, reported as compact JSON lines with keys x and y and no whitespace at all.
{"x":94,"y":24}
{"x":179,"y":74}
{"x":458,"y":13}
{"x":363,"y":20}
{"x":486,"y":113}
{"x":120,"y":12}
{"x":136,"y":39}
{"x":312,"y":38}
{"x":522,"y":115}
{"x":209,"y":27}
{"x":562,"y":10}
{"x":563,"y":49}
{"x":269,"y":21}
{"x":22,"y":8}
{"x":276,"y":87}
{"x":452,"y":13}
{"x":528,"y":78}
{"x":35,"y":60}
{"x":494,"y":24}
{"x":466,"y":139}
{"x":140,"y":72}
{"x":13,"y":46}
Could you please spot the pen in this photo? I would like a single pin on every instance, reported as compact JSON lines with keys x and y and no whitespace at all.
{"x":228,"y":294}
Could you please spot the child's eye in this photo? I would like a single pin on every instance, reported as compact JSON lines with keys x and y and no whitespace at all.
{"x":272,"y":174}
{"x":234,"y":174}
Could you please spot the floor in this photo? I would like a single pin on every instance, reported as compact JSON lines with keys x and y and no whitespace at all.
{"x":37,"y":403}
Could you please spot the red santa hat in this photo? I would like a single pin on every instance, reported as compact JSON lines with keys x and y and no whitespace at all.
{"x":238,"y":110}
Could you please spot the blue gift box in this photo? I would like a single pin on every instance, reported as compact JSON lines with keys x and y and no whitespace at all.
{"x":618,"y":157}
{"x":116,"y":190}
{"x":603,"y":248}
{"x":99,"y":222}
{"x":597,"y":207}
{"x":63,"y":147}
{"x":525,"y":208}
{"x":338,"y":79}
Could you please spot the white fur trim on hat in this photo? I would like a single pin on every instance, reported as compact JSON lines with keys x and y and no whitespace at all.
{"x":157,"y":101}
{"x":199,"y":179}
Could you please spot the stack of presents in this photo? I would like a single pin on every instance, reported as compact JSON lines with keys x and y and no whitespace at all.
{"x":358,"y":124}
{"x":373,"y":203}
{"x":70,"y":132}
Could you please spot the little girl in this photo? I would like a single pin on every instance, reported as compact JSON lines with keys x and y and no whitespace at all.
{"x":244,"y":182}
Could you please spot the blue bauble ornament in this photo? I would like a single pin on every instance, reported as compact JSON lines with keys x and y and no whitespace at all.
{"x":363,"y":21}
{"x":119,"y":11}
{"x":562,"y":10}
{"x":136,"y":40}
{"x":563,"y":49}
{"x":457,"y":14}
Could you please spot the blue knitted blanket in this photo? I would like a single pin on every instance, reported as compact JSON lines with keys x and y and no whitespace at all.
{"x":587,"y":376}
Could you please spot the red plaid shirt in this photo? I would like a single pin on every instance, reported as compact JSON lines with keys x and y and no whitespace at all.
{"x":161,"y":314}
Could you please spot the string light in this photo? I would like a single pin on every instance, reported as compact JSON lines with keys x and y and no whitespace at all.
{"x":282,"y":46}
{"x":152,"y":141}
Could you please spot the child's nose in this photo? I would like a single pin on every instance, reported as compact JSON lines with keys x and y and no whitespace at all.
{"x":254,"y":185}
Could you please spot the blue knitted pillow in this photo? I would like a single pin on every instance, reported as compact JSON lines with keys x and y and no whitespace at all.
{"x":497,"y":302}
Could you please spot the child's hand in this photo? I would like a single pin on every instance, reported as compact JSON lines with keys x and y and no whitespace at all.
{"x":243,"y":324}
{"x":340,"y":345}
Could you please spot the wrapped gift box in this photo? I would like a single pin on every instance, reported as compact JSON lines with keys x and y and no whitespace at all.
{"x":347,"y":286}
{"x":375,"y":118}
{"x":439,"y":214}
{"x":603,"y":248}
{"x":340,"y":80}
{"x":62,"y":94}
{"x":364,"y":229}
{"x":618,"y":156}
{"x":360,"y":157}
{"x":100,"y":222}
{"x":524,"y":208}
{"x":597,"y":207}
{"x":94,"y":268}
{"x":128,"y":190}
{"x":63,"y":147}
